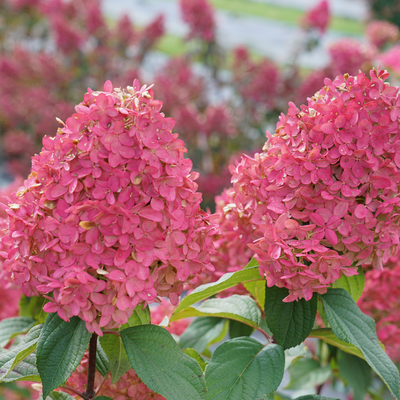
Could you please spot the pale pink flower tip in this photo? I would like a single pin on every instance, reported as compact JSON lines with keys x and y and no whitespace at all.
{"x":109,"y":216}
{"x":324,"y":193}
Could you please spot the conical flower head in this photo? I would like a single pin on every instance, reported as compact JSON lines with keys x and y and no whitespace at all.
{"x":109,"y":216}
{"x":325,"y":191}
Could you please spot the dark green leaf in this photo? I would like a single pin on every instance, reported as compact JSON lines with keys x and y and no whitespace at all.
{"x":244,"y":369}
{"x":225,"y":282}
{"x":353,"y":284}
{"x":350,"y":325}
{"x":60,"y":349}
{"x":238,"y":329}
{"x":103,"y":398}
{"x":291,"y":322}
{"x":9,"y":359}
{"x":162,"y":365}
{"x":102,"y":363}
{"x":307,"y":373}
{"x":11,"y":327}
{"x":356,"y":372}
{"x":239,"y":308}
{"x":115,"y":352}
{"x":201,"y":332}
{"x":194,"y":354}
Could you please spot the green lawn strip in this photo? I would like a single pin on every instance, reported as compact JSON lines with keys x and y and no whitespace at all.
{"x":284,"y":14}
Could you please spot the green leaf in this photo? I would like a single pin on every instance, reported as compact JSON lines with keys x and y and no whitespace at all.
{"x":314,"y":397}
{"x":162,"y":365}
{"x":9,"y":359}
{"x":14,"y":326}
{"x":225,"y":282}
{"x":356,"y":372}
{"x":350,"y":325}
{"x":58,"y":396}
{"x":25,"y":371}
{"x":117,"y":358}
{"x":291,"y":322}
{"x":239,"y":308}
{"x":257,"y":288}
{"x":140,"y":316}
{"x":102,"y":363}
{"x":32,"y":307}
{"x":322,"y":313}
{"x":244,"y":369}
{"x":307,"y":373}
{"x":328,"y":336}
{"x":194,"y":354}
{"x":103,"y":398}
{"x":238,"y":329}
{"x":60,"y":349}
{"x":201,"y":332}
{"x":353,"y":284}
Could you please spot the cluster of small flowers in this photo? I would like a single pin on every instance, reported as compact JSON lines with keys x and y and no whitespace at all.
{"x":199,"y":15}
{"x":381,"y":300}
{"x":179,"y":86}
{"x":317,"y":18}
{"x":379,"y":33}
{"x":128,"y":387}
{"x":256,"y":81}
{"x":10,"y":293}
{"x":324,"y":191}
{"x":109,"y":216}
{"x":391,"y":59}
{"x":350,"y":55}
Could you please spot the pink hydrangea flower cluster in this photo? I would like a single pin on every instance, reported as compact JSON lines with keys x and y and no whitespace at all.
{"x":128,"y":387}
{"x":325,"y":190}
{"x":199,"y":14}
{"x":380,"y":33}
{"x":391,"y":59}
{"x":10,"y":293}
{"x":381,"y":300}
{"x":109,"y":216}
{"x":349,"y":56}
{"x":317,"y":18}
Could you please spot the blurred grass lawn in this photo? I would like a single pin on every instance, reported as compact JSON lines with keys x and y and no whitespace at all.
{"x":285,"y":14}
{"x":175,"y":46}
